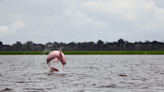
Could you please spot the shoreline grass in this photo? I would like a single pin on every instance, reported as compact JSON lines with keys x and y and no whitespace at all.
{"x":85,"y":52}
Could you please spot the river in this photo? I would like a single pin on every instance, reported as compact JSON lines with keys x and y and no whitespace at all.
{"x":83,"y":73}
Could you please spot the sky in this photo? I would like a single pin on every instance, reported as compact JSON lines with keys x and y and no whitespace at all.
{"x":43,"y":21}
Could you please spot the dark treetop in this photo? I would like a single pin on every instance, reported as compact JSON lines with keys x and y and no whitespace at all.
{"x":120,"y":45}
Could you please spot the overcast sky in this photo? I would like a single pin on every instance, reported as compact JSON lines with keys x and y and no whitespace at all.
{"x":43,"y":21}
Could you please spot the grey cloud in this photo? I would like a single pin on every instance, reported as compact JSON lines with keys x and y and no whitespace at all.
{"x":79,"y":21}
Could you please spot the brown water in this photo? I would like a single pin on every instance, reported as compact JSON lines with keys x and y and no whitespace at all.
{"x":83,"y":73}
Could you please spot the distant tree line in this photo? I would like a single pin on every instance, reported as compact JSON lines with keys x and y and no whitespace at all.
{"x":120,"y":45}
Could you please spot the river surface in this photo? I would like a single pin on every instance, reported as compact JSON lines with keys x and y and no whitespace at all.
{"x":83,"y":73}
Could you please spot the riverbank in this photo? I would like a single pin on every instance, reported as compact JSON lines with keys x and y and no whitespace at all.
{"x":84,"y":52}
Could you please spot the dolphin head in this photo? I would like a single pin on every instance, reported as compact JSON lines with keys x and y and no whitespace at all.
{"x":52,"y":69}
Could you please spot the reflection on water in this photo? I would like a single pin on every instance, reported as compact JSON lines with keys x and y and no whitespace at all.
{"x":83,"y":73}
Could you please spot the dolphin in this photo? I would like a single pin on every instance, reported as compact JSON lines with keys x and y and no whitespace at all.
{"x":57,"y":55}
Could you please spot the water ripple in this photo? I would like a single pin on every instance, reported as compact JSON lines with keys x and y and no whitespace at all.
{"x":83,"y":73}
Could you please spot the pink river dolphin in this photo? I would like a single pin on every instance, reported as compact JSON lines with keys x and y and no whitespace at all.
{"x":57,"y":56}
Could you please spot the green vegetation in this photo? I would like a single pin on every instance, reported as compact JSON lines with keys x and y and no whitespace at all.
{"x":85,"y":52}
{"x":113,"y":52}
{"x":22,"y":52}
